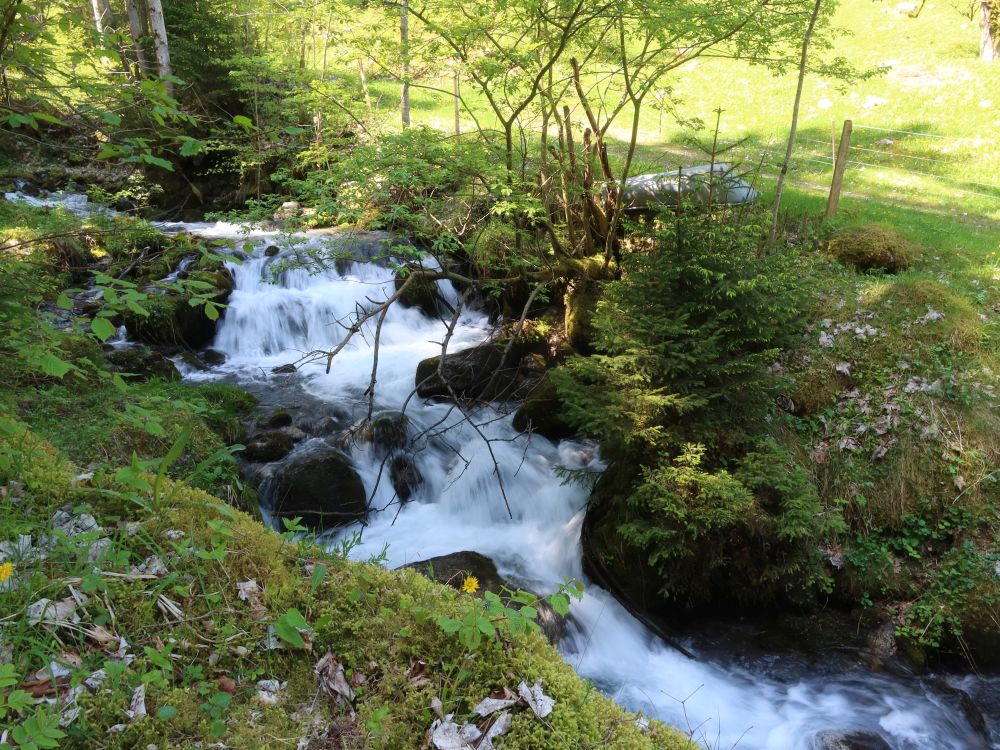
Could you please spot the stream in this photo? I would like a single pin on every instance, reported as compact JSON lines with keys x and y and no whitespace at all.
{"x":775,"y":702}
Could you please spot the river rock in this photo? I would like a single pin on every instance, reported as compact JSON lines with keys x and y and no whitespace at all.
{"x":470,"y":373}
{"x":387,"y":432}
{"x":422,"y":294}
{"x":405,"y":476}
{"x":453,"y":569}
{"x":271,"y":250}
{"x":320,"y":486}
{"x":172,"y":321}
{"x":542,"y":412}
{"x":213,"y":357}
{"x":265,"y":447}
{"x":838,"y":740}
{"x":142,"y":362}
{"x":274,"y":420}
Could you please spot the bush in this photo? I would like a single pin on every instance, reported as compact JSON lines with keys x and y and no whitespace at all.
{"x":684,"y":339}
{"x":872,"y":248}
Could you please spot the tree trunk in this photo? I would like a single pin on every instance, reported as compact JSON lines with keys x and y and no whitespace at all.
{"x":795,"y":119}
{"x":989,"y":42}
{"x":458,"y":105}
{"x":99,"y":20}
{"x":162,"y":48}
{"x":135,"y":27}
{"x":363,"y":76}
{"x":404,"y":39}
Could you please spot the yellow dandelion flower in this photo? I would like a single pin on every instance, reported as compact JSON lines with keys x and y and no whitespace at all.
{"x":470,"y":585}
{"x":7,"y":569}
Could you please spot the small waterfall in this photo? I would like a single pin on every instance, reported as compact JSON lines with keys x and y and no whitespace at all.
{"x":460,"y":507}
{"x":777,"y":705}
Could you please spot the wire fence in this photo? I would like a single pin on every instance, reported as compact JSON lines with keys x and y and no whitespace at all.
{"x":888,"y":162}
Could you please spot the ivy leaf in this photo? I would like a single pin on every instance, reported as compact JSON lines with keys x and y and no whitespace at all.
{"x":102,"y":328}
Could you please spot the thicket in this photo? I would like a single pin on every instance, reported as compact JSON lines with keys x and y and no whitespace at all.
{"x":680,"y":389}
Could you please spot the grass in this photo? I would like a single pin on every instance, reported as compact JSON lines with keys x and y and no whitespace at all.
{"x":939,"y":177}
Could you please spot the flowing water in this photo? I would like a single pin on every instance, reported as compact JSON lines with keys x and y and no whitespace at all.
{"x":773,"y":704}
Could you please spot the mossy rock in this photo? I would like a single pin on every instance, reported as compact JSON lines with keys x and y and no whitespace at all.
{"x":141,"y":362}
{"x":265,"y":447}
{"x":872,"y":248}
{"x":319,"y":486}
{"x":422,"y":294}
{"x":581,"y":301}
{"x":387,"y":432}
{"x":542,"y":412}
{"x":173,"y":321}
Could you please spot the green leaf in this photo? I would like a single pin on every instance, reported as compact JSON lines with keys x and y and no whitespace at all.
{"x":110,"y":118}
{"x":158,"y":162}
{"x":211,"y":311}
{"x":560,"y":603}
{"x":318,"y":575}
{"x":53,"y":366}
{"x":486,"y":627}
{"x":166,"y":713}
{"x":288,"y":625}
{"x":102,"y":328}
{"x":243,"y":122}
{"x":191,"y":146}
{"x":530,"y":612}
{"x":64,"y":302}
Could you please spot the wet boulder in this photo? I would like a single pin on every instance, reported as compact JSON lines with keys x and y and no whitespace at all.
{"x":172,"y":321}
{"x":422,"y":294}
{"x":487,"y":372}
{"x":838,"y":740}
{"x":404,"y":476}
{"x":387,"y":432}
{"x":320,"y":486}
{"x":277,"y":418}
{"x":271,"y":250}
{"x":542,"y":412}
{"x":265,"y":447}
{"x":142,"y":362}
{"x":213,"y":357}
{"x":453,"y":569}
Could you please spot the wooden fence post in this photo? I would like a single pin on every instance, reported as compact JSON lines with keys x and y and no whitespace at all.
{"x":839,"y":166}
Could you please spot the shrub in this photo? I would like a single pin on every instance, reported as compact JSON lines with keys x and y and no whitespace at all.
{"x":872,"y":248}
{"x":684,"y":339}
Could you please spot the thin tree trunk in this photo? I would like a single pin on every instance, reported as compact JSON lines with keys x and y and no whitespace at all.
{"x":99,"y":19}
{"x":989,"y":41}
{"x":135,"y":27}
{"x":404,"y":39}
{"x":458,"y":103}
{"x":160,"y":44}
{"x":364,"y":83}
{"x":795,"y":119}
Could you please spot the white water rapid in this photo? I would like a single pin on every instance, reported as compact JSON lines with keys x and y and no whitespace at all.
{"x":772,"y":704}
{"x":460,"y":507}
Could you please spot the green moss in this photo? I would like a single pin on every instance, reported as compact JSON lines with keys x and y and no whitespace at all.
{"x":377,"y":622}
{"x":872,"y":248}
